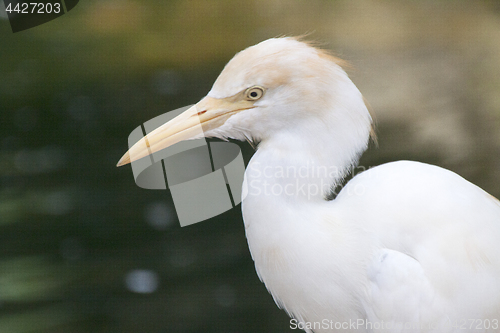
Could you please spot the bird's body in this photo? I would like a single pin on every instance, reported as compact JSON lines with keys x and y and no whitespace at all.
{"x":404,"y":247}
{"x":380,"y":253}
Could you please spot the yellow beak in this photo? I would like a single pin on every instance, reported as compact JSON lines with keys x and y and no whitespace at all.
{"x":207,"y":114}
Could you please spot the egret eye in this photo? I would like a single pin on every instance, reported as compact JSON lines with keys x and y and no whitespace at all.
{"x":254,"y":93}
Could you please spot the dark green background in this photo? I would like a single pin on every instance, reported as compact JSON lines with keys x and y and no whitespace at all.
{"x":73,"y":226}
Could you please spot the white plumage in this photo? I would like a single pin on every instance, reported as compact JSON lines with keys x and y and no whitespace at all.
{"x":404,"y":247}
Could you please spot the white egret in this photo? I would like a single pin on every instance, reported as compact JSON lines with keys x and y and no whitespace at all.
{"x":404,"y":247}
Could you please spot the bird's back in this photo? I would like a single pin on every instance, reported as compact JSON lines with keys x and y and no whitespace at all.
{"x":436,"y":259}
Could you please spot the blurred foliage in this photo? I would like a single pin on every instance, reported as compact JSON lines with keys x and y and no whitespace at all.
{"x":82,"y":249}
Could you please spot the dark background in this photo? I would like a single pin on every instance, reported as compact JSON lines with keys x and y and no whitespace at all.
{"x":83,"y":249}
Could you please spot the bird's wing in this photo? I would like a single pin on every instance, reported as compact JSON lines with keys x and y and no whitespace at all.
{"x":400,"y":297}
{"x":437,"y":237}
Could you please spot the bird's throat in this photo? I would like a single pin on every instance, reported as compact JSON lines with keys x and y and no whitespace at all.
{"x":294,"y":173}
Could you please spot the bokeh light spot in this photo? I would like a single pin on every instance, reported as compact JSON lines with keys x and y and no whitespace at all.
{"x":142,"y":281}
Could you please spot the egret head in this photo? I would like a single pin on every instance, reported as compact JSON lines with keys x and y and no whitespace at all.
{"x":277,"y":88}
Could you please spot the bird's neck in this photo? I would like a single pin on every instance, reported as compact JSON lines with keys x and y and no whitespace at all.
{"x":298,"y":169}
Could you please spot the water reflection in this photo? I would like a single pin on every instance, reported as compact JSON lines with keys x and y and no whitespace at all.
{"x":72,"y":249}
{"x":26,"y":119}
{"x":225,"y":295}
{"x":159,"y":215}
{"x":142,"y":281}
{"x":46,"y":159}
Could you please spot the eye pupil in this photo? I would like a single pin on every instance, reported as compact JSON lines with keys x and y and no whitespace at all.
{"x":254,"y":93}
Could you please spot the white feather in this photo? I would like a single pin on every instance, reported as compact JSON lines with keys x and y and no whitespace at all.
{"x":404,"y":243}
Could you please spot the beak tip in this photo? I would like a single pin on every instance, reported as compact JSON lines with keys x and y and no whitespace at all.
{"x":124,"y":160}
